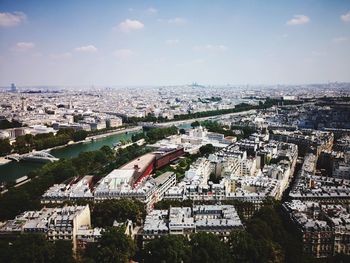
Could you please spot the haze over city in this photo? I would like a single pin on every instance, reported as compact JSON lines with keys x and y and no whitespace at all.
{"x":175,"y":131}
{"x":174,"y":42}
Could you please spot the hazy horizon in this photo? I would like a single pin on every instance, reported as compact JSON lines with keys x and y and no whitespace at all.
{"x":147,"y":86}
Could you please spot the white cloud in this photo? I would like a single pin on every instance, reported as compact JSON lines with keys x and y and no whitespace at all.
{"x":211,"y":48}
{"x":123,"y":53}
{"x":88,"y":49}
{"x":130,"y":25}
{"x":152,"y":11}
{"x":345,"y":17}
{"x":64,"y":55}
{"x":298,"y":20}
{"x":338,"y":40}
{"x":179,"y":21}
{"x":24,"y":46}
{"x":172,"y":42}
{"x":12,"y":19}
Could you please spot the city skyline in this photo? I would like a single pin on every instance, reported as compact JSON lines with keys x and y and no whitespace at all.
{"x":157,"y":43}
{"x":175,"y":131}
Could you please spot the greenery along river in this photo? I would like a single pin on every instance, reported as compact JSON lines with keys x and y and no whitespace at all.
{"x":14,"y":170}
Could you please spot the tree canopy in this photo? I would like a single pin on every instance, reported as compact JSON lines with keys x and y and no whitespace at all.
{"x":207,"y":149}
{"x":29,"y":142}
{"x":169,"y":248}
{"x":27,"y":196}
{"x":5,"y":147}
{"x":155,"y":134}
{"x":5,"y":124}
{"x":114,"y":246}
{"x":104,"y":213}
{"x":35,"y":248}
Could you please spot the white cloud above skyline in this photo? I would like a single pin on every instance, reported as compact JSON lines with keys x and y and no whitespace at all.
{"x":345,"y":17}
{"x":130,"y":25}
{"x":298,"y":20}
{"x":87,"y":49}
{"x":12,"y":19}
{"x":24,"y":46}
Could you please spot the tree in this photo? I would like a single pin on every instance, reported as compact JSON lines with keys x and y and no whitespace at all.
{"x":207,"y":149}
{"x":66,"y":131}
{"x":208,"y":248}
{"x":29,"y":139}
{"x":31,"y":248}
{"x":138,"y":136}
{"x":5,"y":124}
{"x":29,"y":142}
{"x":245,"y":247}
{"x":80,"y":135}
{"x":62,"y":170}
{"x":156,"y":134}
{"x":100,"y":157}
{"x":182,"y":131}
{"x":35,"y":248}
{"x":63,"y":252}
{"x":166,"y":204}
{"x":169,"y":248}
{"x":20,"y":145}
{"x":5,"y":253}
{"x":114,"y":246}
{"x":107,"y":150}
{"x":267,"y":238}
{"x":195,"y":124}
{"x":105,"y":212}
{"x":5,"y":147}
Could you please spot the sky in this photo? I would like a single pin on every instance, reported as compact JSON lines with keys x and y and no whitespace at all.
{"x":115,"y":43}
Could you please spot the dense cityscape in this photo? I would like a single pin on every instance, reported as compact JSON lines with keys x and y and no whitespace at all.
{"x":199,"y":163}
{"x":173,"y":173}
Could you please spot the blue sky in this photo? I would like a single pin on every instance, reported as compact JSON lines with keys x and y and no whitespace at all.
{"x":173,"y":42}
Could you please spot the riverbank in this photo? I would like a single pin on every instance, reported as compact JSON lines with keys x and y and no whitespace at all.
{"x":95,"y":137}
{"x":13,"y":170}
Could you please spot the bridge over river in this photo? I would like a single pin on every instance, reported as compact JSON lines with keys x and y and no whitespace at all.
{"x":35,"y":156}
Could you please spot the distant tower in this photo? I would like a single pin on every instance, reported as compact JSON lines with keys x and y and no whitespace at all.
{"x":70,"y":104}
{"x":13,"y":88}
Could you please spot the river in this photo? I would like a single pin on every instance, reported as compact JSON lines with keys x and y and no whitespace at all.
{"x":13,"y":170}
